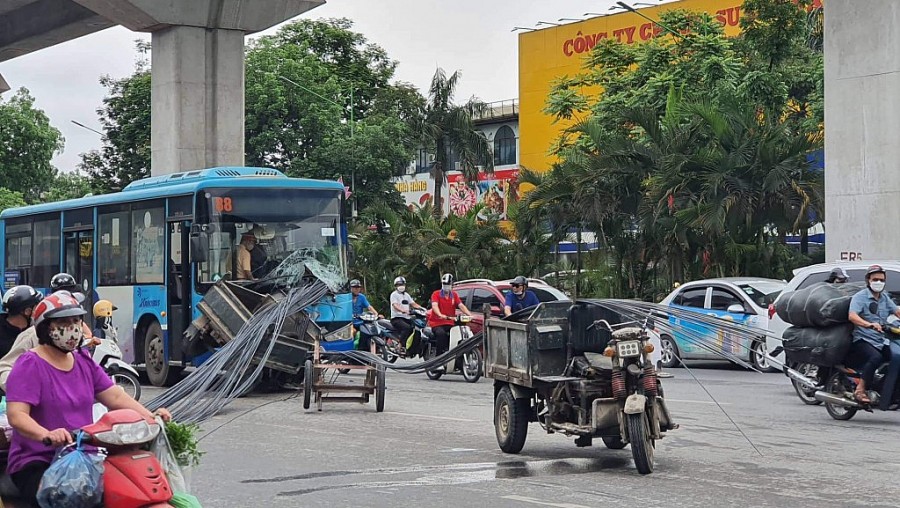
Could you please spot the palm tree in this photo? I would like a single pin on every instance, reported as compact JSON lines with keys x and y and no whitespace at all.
{"x":448,"y":130}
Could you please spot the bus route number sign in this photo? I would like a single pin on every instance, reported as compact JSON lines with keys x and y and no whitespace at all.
{"x":223,"y":205}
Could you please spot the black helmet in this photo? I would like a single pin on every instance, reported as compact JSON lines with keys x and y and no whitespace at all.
{"x":355,"y":283}
{"x":63,"y":281}
{"x":447,"y":279}
{"x":18,"y":298}
{"x":521,"y":280}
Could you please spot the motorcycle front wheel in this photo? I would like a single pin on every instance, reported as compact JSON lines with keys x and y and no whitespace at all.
{"x":471,"y":366}
{"x":642,"y":445}
{"x":129,"y":382}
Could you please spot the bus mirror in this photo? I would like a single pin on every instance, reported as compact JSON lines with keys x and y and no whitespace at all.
{"x":199,"y":247}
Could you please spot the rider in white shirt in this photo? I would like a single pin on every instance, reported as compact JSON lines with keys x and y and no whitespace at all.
{"x":401,"y":304}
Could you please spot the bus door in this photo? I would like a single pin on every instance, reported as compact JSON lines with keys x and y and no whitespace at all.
{"x":79,"y":247}
{"x":179,"y":285}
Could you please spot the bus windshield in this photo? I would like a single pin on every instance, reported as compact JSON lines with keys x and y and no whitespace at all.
{"x":280,"y":222}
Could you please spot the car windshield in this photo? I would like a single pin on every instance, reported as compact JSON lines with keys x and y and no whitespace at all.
{"x":762,"y":293}
{"x":302,"y":223}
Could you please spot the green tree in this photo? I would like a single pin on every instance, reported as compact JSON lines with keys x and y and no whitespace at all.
{"x":125,"y":116}
{"x":10,"y":199}
{"x":448,"y":131}
{"x":68,"y":186}
{"x":302,"y":130}
{"x":27,"y":144}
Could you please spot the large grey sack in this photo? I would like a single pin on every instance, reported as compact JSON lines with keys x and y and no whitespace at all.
{"x":819,"y":305}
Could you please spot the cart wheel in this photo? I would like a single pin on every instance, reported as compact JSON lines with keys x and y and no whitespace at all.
{"x":511,"y":421}
{"x":614,"y":442}
{"x":379,"y":389}
{"x":471,"y":366}
{"x":641,"y":442}
{"x":307,"y":383}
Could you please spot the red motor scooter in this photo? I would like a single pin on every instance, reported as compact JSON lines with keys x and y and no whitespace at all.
{"x":132,"y":477}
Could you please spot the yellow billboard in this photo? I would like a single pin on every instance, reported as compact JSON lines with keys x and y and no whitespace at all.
{"x":545,"y":55}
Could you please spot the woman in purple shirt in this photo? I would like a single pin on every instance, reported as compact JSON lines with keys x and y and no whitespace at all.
{"x":51,"y":391}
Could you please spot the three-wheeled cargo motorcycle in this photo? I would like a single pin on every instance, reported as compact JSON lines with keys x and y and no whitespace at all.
{"x":577,"y":369}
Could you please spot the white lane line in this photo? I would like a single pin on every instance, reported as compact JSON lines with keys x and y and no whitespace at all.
{"x":523,"y":499}
{"x":697,"y":402}
{"x":430,"y":417}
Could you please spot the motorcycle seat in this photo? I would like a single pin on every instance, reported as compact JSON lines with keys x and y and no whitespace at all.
{"x":598,"y":361}
{"x":427,"y":332}
{"x":386,"y":324}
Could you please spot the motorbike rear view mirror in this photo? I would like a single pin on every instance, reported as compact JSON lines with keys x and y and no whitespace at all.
{"x":873,"y":307}
{"x":405,"y":302}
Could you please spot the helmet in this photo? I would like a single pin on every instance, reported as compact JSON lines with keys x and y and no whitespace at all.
{"x":355,"y":283}
{"x":57,"y":305}
{"x":838,"y":273}
{"x":874,"y":269}
{"x":63,"y":281}
{"x":400,"y":281}
{"x":104,"y":308}
{"x":18,"y":298}
{"x":447,"y":279}
{"x":521,"y":280}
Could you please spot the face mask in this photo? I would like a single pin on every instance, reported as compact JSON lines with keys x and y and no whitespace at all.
{"x":401,"y":289}
{"x":446,"y":288}
{"x":877,"y":286}
{"x":519,"y":290}
{"x":67,"y":338}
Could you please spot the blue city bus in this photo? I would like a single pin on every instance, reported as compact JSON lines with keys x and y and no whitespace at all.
{"x":129,"y":247}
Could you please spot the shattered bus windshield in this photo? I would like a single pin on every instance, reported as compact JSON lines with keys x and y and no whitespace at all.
{"x":252,"y":231}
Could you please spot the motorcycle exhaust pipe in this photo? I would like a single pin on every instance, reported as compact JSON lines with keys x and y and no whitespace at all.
{"x":807,"y":382}
{"x":833,"y":399}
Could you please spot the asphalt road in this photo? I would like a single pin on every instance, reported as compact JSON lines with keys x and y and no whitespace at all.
{"x":435,"y":446}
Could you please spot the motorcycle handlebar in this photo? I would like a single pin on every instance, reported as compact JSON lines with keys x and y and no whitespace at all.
{"x":86,"y":438}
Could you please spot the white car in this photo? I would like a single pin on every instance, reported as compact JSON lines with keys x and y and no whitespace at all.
{"x":743,"y":300}
{"x":809,"y":275}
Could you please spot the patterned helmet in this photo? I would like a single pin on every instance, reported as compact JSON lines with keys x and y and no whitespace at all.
{"x":63,"y":281}
{"x":57,"y":305}
{"x":400,"y":281}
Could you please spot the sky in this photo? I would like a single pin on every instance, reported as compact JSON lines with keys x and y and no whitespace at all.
{"x":472,"y":36}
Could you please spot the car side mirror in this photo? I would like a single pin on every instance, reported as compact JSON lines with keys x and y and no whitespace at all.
{"x":736,"y":308}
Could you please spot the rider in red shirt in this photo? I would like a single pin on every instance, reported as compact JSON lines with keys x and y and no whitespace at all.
{"x":444,"y":303}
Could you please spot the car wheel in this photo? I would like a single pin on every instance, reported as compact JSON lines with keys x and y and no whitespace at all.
{"x":758,"y":357}
{"x":669,"y":353}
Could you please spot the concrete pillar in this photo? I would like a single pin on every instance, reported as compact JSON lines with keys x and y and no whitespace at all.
{"x":198,"y":99}
{"x":862,"y":129}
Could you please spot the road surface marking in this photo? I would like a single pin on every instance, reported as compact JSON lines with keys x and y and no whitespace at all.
{"x":431,"y":417}
{"x":532,"y":500}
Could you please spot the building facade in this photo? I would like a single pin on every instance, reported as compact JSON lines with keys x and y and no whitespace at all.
{"x":499,"y":124}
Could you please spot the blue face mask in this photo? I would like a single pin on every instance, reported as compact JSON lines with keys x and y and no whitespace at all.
{"x":446,"y":288}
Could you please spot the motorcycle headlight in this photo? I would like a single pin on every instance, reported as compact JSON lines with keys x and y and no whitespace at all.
{"x":128,"y":434}
{"x":628,"y":348}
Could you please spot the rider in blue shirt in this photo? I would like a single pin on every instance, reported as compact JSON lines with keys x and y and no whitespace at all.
{"x":361,"y":304}
{"x":520,"y":297}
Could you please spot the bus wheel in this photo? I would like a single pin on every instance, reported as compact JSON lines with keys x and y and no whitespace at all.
{"x":158,"y":370}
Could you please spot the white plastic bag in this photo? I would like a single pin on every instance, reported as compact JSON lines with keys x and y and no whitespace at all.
{"x":163,"y":451}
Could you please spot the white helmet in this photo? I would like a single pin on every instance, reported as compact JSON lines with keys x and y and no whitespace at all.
{"x":447,"y":279}
{"x":400,"y":281}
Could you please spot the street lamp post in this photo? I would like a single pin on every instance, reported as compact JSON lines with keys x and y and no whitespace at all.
{"x":83,"y":126}
{"x":352,"y":122}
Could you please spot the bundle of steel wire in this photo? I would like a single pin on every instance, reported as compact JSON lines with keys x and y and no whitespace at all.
{"x":366,"y":357}
{"x":232,"y":371}
{"x":730,"y":337}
